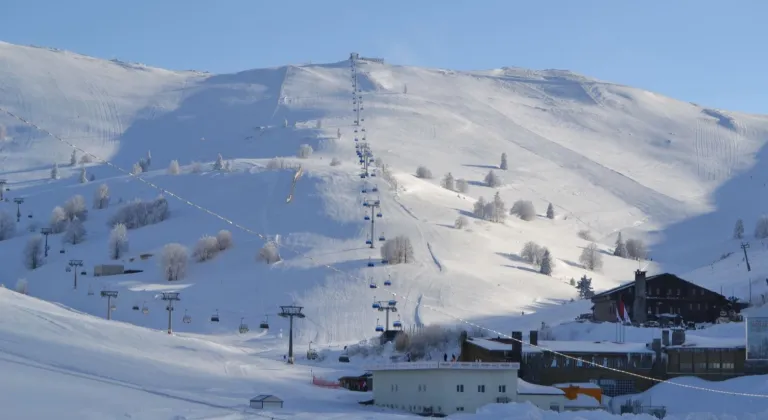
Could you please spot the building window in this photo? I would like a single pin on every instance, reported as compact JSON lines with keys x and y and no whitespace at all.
{"x":459,"y":408}
{"x":698,"y":306}
{"x":459,"y":388}
{"x":702,"y":292}
{"x":554,"y":407}
{"x":502,"y":388}
{"x":658,"y":292}
{"x":422,"y":388}
{"x":686,"y":367}
{"x":678,"y":311}
{"x":714,"y":365}
{"x":669,"y":292}
{"x":728,"y":366}
{"x":394,"y":388}
{"x":701,"y":366}
{"x":690,"y":306}
{"x":678,"y":292}
{"x":481,"y":388}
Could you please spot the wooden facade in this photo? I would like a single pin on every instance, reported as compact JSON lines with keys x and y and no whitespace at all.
{"x":665,"y":295}
{"x":715,"y":364}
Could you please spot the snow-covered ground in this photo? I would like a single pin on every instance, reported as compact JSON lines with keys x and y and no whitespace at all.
{"x":609,"y":158}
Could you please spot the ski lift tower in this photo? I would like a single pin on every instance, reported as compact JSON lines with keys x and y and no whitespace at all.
{"x":74,"y":265}
{"x":46,"y":231}
{"x":109,"y":294}
{"x":375,"y":207}
{"x":170,"y":297}
{"x":386,"y":306}
{"x":2,"y":188}
{"x":18,"y":201}
{"x":291,"y":312}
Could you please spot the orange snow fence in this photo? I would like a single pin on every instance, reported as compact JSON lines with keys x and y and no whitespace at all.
{"x":324,"y":382}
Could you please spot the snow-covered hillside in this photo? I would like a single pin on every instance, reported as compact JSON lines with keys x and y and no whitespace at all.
{"x":609,"y":158}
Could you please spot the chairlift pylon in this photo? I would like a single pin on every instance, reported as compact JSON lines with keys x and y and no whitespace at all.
{"x":215,"y":316}
{"x":186,"y":319}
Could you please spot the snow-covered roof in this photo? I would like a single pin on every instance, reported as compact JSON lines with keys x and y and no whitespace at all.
{"x":266,"y":397}
{"x":582,"y":400}
{"x":444,"y":365}
{"x":524,"y":387}
{"x":588,"y":385}
{"x":692,"y":341}
{"x":648,"y":279}
{"x":568,"y":346}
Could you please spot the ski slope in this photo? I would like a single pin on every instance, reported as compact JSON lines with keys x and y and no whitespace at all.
{"x":609,"y":158}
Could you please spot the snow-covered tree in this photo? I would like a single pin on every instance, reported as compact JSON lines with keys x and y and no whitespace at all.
{"x":479,"y":208}
{"x":498,"y":210}
{"x":269,"y":253}
{"x":335,"y":162}
{"x":33,"y":252}
{"x":83,"y":176}
{"x":7,"y":225}
{"x":621,"y":248}
{"x":423,"y":173}
{"x":55,"y":171}
{"x":173,"y":168}
{"x":205,"y":249}
{"x":224,"y":239}
{"x":405,"y":89}
{"x":137,"y":213}
{"x":738,"y":229}
{"x":22,"y":286}
{"x":397,"y":250}
{"x":305,"y":151}
{"x":448,"y":182}
{"x":532,"y":253}
{"x":584,"y":286}
{"x":338,"y":133}
{"x":196,"y":167}
{"x":761,"y":227}
{"x":143,"y":165}
{"x":75,"y":207}
{"x":460,"y":222}
{"x":75,"y":232}
{"x":503,"y":165}
{"x":591,"y":258}
{"x":492,"y":180}
{"x":219,"y":164}
{"x":101,"y":197}
{"x":137,"y":169}
{"x":73,"y":158}
{"x":550,"y":211}
{"x":228,"y":166}
{"x":462,"y":186}
{"x":636,"y":249}
{"x":148,"y":159}
{"x":173,"y":261}
{"x":118,"y":241}
{"x":546,"y":263}
{"x":285,"y":123}
{"x":86,"y":158}
{"x":586,"y":235}
{"x":524,"y":210}
{"x":59,"y":219}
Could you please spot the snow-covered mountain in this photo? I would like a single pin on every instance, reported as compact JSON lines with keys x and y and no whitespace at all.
{"x":608,"y":157}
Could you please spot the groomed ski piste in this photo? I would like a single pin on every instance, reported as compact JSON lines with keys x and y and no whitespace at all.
{"x":609,"y":158}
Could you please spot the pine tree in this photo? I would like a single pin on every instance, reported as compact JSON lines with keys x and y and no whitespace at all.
{"x":73,"y":158}
{"x":83,"y":176}
{"x":546,"y":263}
{"x":219,"y":164}
{"x":55,"y":171}
{"x":550,"y":211}
{"x":448,"y":182}
{"x":621,"y":248}
{"x":498,"y":209}
{"x":584,"y":286}
{"x":148,"y":159}
{"x":504,"y":166}
{"x":738,"y":230}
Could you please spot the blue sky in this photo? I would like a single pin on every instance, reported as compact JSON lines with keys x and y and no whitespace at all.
{"x":708,"y":52}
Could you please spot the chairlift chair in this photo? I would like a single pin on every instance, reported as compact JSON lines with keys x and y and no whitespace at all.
{"x":344,"y":358}
{"x":113,"y":307}
{"x":61,"y":251}
{"x":370,"y":262}
{"x":135,"y":307}
{"x":375,"y":189}
{"x":243,"y":327}
{"x":68,"y":269}
{"x":368,"y":241}
{"x":83,"y":273}
{"x":382,"y":238}
{"x":364,"y":190}
{"x":215,"y":316}
{"x":373,"y":285}
{"x":391,"y":302}
{"x":387,"y":282}
{"x":186,"y":319}
{"x":144,"y":308}
{"x":373,"y":173}
{"x":366,"y":217}
{"x":265,"y":324}
{"x":379,"y":328}
{"x":29,"y":215}
{"x":362,"y":175}
{"x":379,"y":214}
{"x":376,"y":304}
{"x":90,"y":290}
{"x":384,"y":261}
{"x":397,"y":323}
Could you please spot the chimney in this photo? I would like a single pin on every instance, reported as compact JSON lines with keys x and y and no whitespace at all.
{"x":517,"y":346}
{"x":534,"y":338}
{"x":665,"y":337}
{"x":678,"y":337}
{"x":639,"y":306}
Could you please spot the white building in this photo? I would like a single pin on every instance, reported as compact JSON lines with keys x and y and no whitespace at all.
{"x":447,"y":388}
{"x":266,"y":402}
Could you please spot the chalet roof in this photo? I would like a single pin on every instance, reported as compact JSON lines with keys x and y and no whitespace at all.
{"x":266,"y":398}
{"x":698,"y":342}
{"x":648,"y":280}
{"x":568,"y":347}
{"x":527,"y":388}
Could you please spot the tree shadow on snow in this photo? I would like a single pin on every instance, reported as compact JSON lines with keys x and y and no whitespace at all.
{"x":480,"y":166}
{"x":520,"y":267}
{"x":573,"y":264}
{"x":512,"y":257}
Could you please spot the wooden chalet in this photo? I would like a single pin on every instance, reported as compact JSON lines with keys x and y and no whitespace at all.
{"x":662,"y":295}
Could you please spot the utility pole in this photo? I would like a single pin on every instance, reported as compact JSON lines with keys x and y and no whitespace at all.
{"x":291,"y":312}
{"x":109,"y":294}
{"x":74,"y":264}
{"x":46,"y":231}
{"x":2,"y":188}
{"x":170,"y":297}
{"x":744,"y":247}
{"x":18,"y":201}
{"x":373,"y":205}
{"x":387,"y":306}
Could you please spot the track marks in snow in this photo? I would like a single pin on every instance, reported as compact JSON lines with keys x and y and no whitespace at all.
{"x":434,"y":258}
{"x":717,"y":148}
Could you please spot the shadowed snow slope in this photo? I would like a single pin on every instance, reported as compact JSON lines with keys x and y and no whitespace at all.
{"x":609,"y":158}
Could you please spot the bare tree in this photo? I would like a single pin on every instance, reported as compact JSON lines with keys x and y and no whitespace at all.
{"x":219,"y":164}
{"x":55,"y":171}
{"x":224,"y":239}
{"x":196,"y":168}
{"x":7,"y":225}
{"x":22,"y":286}
{"x":173,"y":261}
{"x":86,"y":158}
{"x":460,"y":222}
{"x":492,"y":180}
{"x":335,"y":161}
{"x":423,"y":172}
{"x":137,"y":169}
{"x":75,"y":232}
{"x":118,"y":241}
{"x":397,"y":250}
{"x":448,"y":182}
{"x":591,"y":258}
{"x":586,"y":235}
{"x":75,"y":207}
{"x":59,"y":219}
{"x":33,"y":252}
{"x":101,"y":197}
{"x":497,"y":211}
{"x":738,"y":230}
{"x":480,"y":208}
{"x":523,"y":209}
{"x":205,"y":249}
{"x":269,"y":253}
{"x":305,"y":151}
{"x":73,"y":158}
{"x":462,"y":186}
{"x":532,"y":253}
{"x":636,"y":249}
{"x":83,"y":176}
{"x":761,"y":227}
{"x":173,"y":168}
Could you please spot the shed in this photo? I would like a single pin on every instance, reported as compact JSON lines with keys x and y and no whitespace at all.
{"x":544,"y":397}
{"x":266,"y":402}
